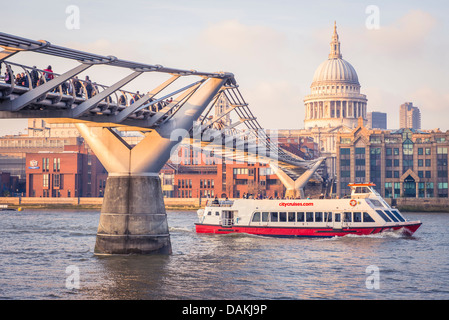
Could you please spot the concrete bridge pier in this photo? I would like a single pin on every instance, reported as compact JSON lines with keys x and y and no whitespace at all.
{"x":133,"y":219}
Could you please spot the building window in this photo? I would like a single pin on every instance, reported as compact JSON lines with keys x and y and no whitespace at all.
{"x":56,"y":180}
{"x":45,"y":164}
{"x":45,"y":180}
{"x":56,"y":164}
{"x":429,"y":189}
{"x":388,"y":190}
{"x":442,"y":189}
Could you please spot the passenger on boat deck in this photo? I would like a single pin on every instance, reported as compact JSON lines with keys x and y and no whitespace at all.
{"x":215,"y":201}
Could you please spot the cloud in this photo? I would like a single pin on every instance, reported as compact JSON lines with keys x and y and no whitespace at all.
{"x":404,"y":38}
{"x":433,"y":99}
{"x":234,"y":37}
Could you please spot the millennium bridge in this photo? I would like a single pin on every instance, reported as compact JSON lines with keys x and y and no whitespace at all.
{"x":133,"y":217}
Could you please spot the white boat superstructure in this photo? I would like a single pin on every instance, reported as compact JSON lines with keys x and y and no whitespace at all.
{"x":366,"y":212}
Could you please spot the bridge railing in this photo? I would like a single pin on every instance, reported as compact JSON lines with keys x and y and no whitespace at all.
{"x":77,"y":88}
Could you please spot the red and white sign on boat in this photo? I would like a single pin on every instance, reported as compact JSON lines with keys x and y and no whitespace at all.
{"x":365,"y":213}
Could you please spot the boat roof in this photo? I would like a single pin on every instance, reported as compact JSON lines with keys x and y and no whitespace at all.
{"x":370,"y":184}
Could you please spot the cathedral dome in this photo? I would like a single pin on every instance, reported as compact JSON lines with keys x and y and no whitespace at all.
{"x":335,"y":71}
{"x":335,"y":99}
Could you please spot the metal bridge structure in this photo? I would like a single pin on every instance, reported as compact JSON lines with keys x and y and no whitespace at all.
{"x":133,"y":217}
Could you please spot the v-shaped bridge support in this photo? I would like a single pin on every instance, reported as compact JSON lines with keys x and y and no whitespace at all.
{"x":133,"y":217}
{"x":295,"y":188}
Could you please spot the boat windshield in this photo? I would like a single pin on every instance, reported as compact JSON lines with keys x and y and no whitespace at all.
{"x":360,"y":190}
{"x":219,"y":203}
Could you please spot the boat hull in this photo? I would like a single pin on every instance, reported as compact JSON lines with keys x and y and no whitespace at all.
{"x":325,"y":232}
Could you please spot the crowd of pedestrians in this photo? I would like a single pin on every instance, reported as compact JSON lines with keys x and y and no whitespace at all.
{"x":35,"y":77}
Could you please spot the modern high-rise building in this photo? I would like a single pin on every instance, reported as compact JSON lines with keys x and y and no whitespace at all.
{"x":377,"y":120}
{"x":409,"y":116}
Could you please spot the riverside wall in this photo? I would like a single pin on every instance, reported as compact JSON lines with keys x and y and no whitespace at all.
{"x":403,"y":204}
{"x":91,"y":203}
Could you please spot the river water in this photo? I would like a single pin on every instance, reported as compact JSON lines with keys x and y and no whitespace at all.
{"x":48,"y":254}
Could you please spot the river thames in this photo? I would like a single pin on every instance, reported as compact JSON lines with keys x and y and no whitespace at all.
{"x":48,"y":254}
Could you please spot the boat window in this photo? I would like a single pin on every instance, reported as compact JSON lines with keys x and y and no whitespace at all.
{"x":375,"y":202}
{"x":357,"y":216}
{"x":337,"y":217}
{"x":392,"y":217}
{"x":273,"y":216}
{"x":256,"y":217}
{"x":300,"y":216}
{"x":318,"y":217}
{"x":282,"y":216}
{"x":398,"y":215}
{"x":382,"y":214}
{"x":348,"y":217}
{"x":361,"y":190}
{"x":291,"y":217}
{"x":217,"y":213}
{"x":367,"y":217}
{"x":209,"y":213}
{"x":328,"y":216}
{"x":309,"y":216}
{"x":265,"y":216}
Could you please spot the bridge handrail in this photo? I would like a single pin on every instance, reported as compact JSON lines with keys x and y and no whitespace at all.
{"x":70,"y":90}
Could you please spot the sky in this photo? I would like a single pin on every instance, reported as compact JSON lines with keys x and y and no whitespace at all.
{"x":399,"y":49}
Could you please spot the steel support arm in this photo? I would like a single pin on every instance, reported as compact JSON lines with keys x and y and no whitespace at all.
{"x":136,"y":105}
{"x":92,"y":102}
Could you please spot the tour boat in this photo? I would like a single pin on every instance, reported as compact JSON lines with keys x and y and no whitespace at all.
{"x":364,"y":213}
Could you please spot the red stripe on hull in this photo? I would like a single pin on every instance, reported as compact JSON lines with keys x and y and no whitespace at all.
{"x":301,"y":232}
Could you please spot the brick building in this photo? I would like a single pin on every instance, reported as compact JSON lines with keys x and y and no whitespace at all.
{"x":75,"y":172}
